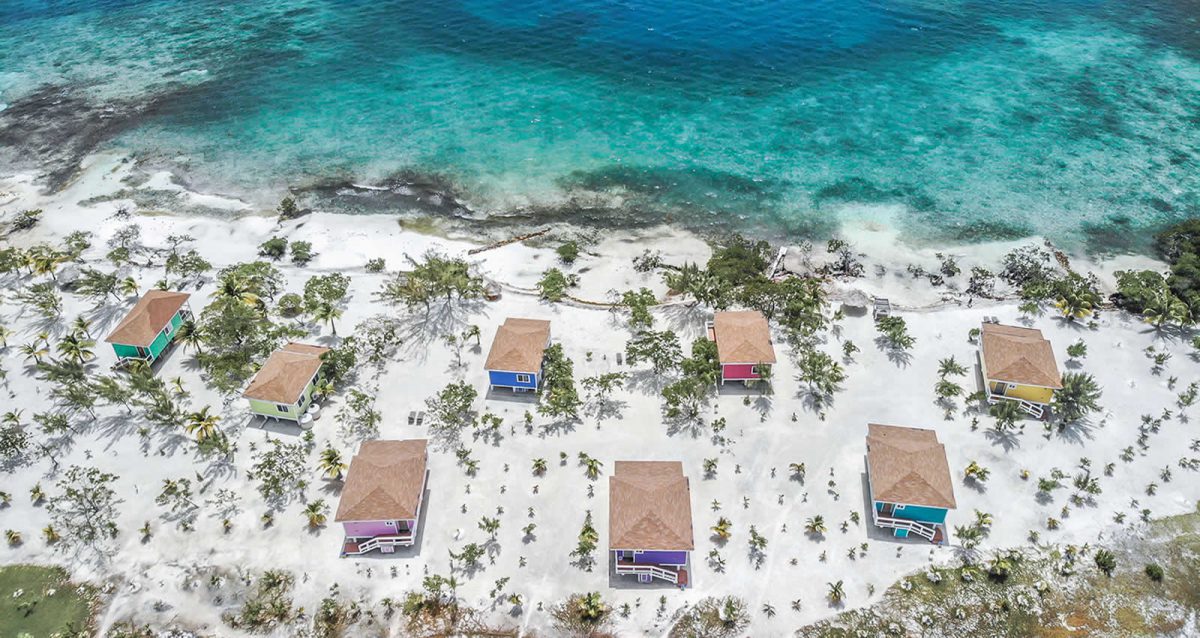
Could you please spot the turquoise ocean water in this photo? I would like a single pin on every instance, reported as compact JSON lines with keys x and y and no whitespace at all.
{"x":976,"y":120}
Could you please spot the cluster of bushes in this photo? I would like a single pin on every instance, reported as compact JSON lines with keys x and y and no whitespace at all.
{"x":1173,"y":299}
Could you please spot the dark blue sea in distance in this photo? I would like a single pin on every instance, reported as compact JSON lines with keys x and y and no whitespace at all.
{"x":957,"y":121}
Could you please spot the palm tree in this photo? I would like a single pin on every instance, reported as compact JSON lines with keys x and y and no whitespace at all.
{"x":237,"y":287}
{"x":591,"y":466}
{"x":128,"y":287}
{"x":798,"y":471}
{"x":1006,"y":413}
{"x":317,"y":513}
{"x":189,"y":334}
{"x":201,"y":424}
{"x":815,"y":525}
{"x":75,"y":348}
{"x":1165,"y":308}
{"x":983,"y":519}
{"x":5,"y":333}
{"x":592,"y":607}
{"x":12,"y":417}
{"x":539,"y":467}
{"x":46,"y":262}
{"x":1079,"y":395}
{"x":949,"y":366}
{"x":327,"y":313}
{"x":81,"y":326}
{"x":323,"y":388}
{"x":331,"y":463}
{"x":34,"y":351}
{"x":837,"y":593}
{"x":1075,"y":305}
{"x":721,"y":529}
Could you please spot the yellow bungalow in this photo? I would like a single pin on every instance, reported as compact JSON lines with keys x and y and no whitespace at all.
{"x":1018,"y":365}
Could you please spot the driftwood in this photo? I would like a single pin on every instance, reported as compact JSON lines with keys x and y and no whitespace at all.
{"x":510,"y":240}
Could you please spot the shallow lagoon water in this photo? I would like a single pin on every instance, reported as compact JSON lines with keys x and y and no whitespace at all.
{"x":1075,"y":120}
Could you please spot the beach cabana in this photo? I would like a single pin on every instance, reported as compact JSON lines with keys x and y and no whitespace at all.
{"x":744,"y":346}
{"x":909,"y":480}
{"x":650,"y":520}
{"x":1018,"y":365}
{"x":283,"y":387}
{"x":150,"y":326}
{"x":515,"y":360}
{"x":380,"y":505}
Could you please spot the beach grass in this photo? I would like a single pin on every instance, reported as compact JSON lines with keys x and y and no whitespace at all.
{"x":48,"y":604}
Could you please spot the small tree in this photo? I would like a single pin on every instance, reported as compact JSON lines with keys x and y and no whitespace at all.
{"x":331,"y":463}
{"x":273,"y":248}
{"x":639,"y":303}
{"x":553,"y":284}
{"x":450,"y":409}
{"x":317,"y":512}
{"x":660,"y":349}
{"x":559,"y":398}
{"x":1106,"y":561}
{"x":86,"y":506}
{"x":280,"y":471}
{"x":568,"y":251}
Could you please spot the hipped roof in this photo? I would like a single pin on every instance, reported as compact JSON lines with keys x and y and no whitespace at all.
{"x":1019,"y":355}
{"x":286,"y":373}
{"x":649,"y":506}
{"x":146,"y":319}
{"x":519,"y":345}
{"x":384,"y":481}
{"x":908,"y":466}
{"x":743,"y":336}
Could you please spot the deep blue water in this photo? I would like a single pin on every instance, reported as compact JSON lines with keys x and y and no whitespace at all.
{"x":957,"y":121}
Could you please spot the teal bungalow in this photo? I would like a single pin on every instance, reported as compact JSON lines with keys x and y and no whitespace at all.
{"x":150,"y":326}
{"x":515,"y":360}
{"x":909,"y":479}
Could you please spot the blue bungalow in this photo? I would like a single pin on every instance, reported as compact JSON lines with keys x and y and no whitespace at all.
{"x":650,"y":521}
{"x":909,"y":479}
{"x":515,"y":360}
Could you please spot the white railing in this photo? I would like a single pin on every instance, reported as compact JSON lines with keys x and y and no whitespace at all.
{"x":376,"y":542}
{"x":1034,"y":409}
{"x":654,"y":570}
{"x":924,"y":530}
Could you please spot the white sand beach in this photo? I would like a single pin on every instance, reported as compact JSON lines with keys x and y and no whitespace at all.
{"x":167,"y":580}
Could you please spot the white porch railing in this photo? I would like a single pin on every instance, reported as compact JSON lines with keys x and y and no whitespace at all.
{"x":1034,"y":409}
{"x":669,"y":575}
{"x":924,"y":530}
{"x":377,"y":542}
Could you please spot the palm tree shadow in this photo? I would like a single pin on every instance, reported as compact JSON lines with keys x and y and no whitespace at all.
{"x":1006,"y":439}
{"x":1078,"y":432}
{"x":688,"y":319}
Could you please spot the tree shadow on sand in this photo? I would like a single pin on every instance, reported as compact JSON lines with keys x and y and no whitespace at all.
{"x":420,"y":329}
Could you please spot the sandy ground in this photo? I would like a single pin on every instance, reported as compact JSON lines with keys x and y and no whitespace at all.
{"x":157,"y":581}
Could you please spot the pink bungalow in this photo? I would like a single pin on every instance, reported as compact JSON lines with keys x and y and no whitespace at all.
{"x":380,"y":506}
{"x":743,"y":345}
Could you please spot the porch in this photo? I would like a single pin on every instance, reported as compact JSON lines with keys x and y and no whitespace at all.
{"x":1036,"y":410}
{"x":648,"y":571}
{"x":932,"y":532}
{"x":385,"y":544}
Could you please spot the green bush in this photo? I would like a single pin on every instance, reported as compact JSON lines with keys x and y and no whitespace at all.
{"x":376,"y":265}
{"x":275,"y":248}
{"x":288,"y":209}
{"x":568,"y":252}
{"x":1179,"y":245}
{"x":1154,"y":572}
{"x":301,"y":252}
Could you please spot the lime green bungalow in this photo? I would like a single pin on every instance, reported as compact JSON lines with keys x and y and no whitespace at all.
{"x":283,"y":387}
{"x":1018,"y":365}
{"x":150,"y":326}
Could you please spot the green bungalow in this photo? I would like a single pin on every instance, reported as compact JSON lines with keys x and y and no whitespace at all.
{"x":150,"y":326}
{"x":283,"y":387}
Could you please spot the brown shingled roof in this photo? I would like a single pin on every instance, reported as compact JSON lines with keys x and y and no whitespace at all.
{"x":519,"y":345}
{"x":1019,"y":355}
{"x":384,"y":481}
{"x":649,"y":506}
{"x":743,"y":336}
{"x":286,"y":373}
{"x":146,"y":319}
{"x":908,"y":466}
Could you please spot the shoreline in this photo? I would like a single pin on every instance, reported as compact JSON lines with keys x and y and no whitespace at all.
{"x":872,"y":231}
